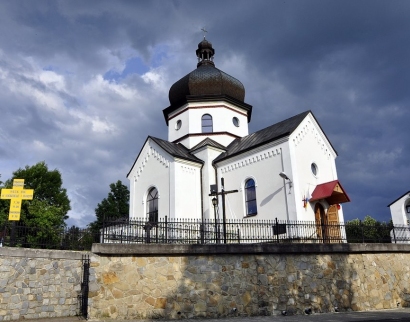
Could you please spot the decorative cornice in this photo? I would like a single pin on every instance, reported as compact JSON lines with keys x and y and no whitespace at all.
{"x":303,"y":131}
{"x":205,"y":134}
{"x":253,"y":158}
{"x":189,"y":170}
{"x":151,"y":151}
{"x":205,"y":107}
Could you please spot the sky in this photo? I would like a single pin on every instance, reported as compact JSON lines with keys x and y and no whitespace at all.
{"x":83,"y":83}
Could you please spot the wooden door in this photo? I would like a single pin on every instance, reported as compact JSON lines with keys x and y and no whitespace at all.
{"x":333,"y":225}
{"x":320,"y":219}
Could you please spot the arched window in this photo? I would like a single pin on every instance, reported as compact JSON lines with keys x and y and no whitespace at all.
{"x":250,"y":198}
{"x":207,"y":126}
{"x":152,"y":205}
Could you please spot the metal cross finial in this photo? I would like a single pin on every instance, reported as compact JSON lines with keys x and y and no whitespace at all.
{"x":204,"y":30}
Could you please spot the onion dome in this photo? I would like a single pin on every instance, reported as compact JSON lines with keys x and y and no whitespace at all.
{"x":206,"y":81}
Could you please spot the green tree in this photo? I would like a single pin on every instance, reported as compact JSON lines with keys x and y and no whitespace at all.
{"x":76,"y":238}
{"x":115,"y":206}
{"x":45,"y":215}
{"x":369,"y":231}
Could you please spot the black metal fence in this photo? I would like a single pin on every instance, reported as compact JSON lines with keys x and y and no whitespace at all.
{"x":14,"y":235}
{"x":191,"y":231}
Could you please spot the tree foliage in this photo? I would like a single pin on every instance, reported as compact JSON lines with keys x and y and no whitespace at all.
{"x":369,"y":231}
{"x":45,"y":215}
{"x":115,"y":206}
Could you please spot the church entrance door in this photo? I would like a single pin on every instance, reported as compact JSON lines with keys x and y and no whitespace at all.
{"x":333,"y":226}
{"x":321,"y":221}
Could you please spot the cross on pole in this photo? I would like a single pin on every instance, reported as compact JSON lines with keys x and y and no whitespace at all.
{"x":16,"y":195}
{"x":223,"y":193}
{"x":205,"y":31}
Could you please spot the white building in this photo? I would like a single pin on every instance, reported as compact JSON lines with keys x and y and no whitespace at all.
{"x":400,"y":215}
{"x":285,"y":171}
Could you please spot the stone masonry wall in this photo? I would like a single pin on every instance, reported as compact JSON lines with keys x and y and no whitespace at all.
{"x":186,"y":286}
{"x":153,"y":281}
{"x":38,"y":283}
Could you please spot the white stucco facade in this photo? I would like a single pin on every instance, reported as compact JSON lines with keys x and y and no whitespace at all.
{"x":198,"y":154}
{"x":400,"y":214}
{"x":185,"y":127}
{"x":400,"y":211}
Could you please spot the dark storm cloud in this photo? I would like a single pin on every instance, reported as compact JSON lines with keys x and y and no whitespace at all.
{"x":347,"y":61}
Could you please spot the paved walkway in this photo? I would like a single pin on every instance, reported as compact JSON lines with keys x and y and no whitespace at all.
{"x":397,"y":315}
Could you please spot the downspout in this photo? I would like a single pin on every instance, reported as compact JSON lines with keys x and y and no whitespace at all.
{"x":202,"y":195}
{"x":284,"y":187}
{"x":169,"y":191}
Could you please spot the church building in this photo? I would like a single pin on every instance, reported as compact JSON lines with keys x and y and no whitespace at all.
{"x":285,"y":171}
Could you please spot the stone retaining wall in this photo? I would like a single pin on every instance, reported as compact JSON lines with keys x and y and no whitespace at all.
{"x":182,"y":282}
{"x":177,"y":281}
{"x":38,"y":283}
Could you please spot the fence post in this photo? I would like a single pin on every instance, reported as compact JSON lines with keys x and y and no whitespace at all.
{"x":166,"y":229}
{"x":201,"y":231}
{"x":277,"y":229}
{"x":147,"y":229}
{"x":156,"y":233}
{"x":394,"y":235}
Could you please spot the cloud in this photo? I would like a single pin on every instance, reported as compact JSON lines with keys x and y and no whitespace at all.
{"x":83,"y":83}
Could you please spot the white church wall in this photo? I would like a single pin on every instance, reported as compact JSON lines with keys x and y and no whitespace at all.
{"x":222,"y":116}
{"x":207,"y":154}
{"x":308,"y":145}
{"x":186,"y":190}
{"x":398,"y":211}
{"x":152,"y":169}
{"x":179,"y":115}
{"x":262,"y":165}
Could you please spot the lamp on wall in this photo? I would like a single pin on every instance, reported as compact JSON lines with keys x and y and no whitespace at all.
{"x":284,"y":176}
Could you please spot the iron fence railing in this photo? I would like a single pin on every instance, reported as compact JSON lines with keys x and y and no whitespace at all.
{"x":193,"y":231}
{"x":12,"y":234}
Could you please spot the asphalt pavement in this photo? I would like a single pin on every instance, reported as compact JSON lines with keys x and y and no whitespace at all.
{"x":396,"y":315}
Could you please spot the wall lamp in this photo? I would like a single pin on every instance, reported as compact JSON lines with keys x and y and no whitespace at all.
{"x":284,"y":176}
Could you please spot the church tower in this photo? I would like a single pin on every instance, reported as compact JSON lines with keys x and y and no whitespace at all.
{"x":207,"y":103}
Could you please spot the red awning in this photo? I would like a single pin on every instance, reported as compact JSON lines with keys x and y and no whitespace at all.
{"x":332,"y":192}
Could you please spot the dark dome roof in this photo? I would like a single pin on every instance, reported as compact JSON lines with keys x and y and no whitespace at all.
{"x":206,"y":80}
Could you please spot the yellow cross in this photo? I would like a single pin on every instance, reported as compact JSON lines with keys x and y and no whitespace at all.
{"x":16,"y":195}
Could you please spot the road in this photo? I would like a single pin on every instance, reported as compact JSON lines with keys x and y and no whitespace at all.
{"x":396,"y":315}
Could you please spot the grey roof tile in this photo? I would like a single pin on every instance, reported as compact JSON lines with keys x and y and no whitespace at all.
{"x":208,"y":142}
{"x":176,"y":149}
{"x":261,"y":137}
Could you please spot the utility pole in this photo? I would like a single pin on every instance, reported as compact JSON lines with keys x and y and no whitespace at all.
{"x":223,"y":193}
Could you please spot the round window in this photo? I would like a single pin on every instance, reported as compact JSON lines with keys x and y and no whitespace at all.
{"x":178,"y":125}
{"x":314,"y":169}
{"x":235,"y":121}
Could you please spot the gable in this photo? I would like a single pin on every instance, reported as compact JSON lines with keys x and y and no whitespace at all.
{"x":309,"y":125}
{"x":407,"y":193}
{"x":270,"y":134}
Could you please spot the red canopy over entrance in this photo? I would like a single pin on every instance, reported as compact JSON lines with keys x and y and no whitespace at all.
{"x":332,"y":192}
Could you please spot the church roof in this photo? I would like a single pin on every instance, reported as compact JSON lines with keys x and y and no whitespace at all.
{"x":176,"y":150}
{"x":208,"y":142}
{"x":264,"y":136}
{"x":407,"y":193}
{"x":206,"y":82}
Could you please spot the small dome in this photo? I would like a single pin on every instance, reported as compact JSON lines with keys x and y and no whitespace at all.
{"x":206,"y":80}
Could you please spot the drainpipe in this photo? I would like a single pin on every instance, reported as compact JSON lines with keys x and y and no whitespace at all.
{"x":284,"y":187}
{"x":202,"y":196}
